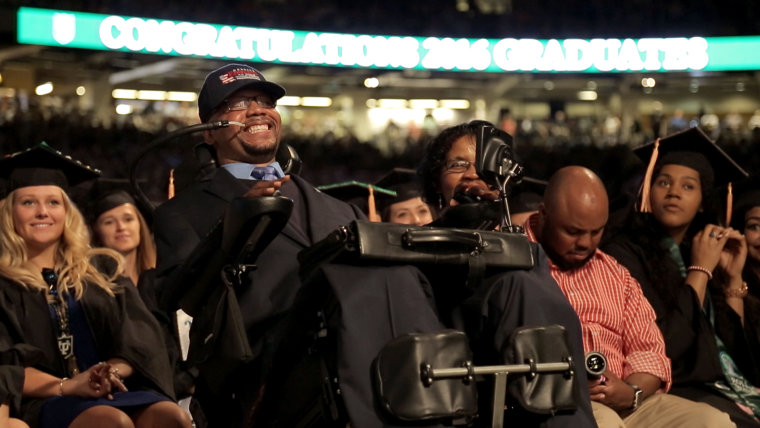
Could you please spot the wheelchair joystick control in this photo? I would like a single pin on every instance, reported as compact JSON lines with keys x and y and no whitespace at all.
{"x":596,"y":364}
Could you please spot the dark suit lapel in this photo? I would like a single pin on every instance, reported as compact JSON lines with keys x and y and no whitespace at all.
{"x":291,"y":231}
{"x":322,"y":216}
{"x":223,"y":185}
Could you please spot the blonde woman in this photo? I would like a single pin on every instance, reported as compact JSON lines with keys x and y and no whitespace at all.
{"x":97,"y":366}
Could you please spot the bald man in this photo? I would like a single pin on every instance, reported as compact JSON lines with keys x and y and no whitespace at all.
{"x":616,"y":318}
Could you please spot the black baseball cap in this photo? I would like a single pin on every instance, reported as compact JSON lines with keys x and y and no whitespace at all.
{"x":42,"y":165}
{"x":224,"y":81}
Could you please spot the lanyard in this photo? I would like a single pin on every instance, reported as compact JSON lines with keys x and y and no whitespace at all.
{"x":60,"y":314}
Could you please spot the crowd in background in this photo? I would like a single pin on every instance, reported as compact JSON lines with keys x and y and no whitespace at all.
{"x":336,"y":155}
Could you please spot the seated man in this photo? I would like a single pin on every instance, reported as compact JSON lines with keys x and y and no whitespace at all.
{"x":245,"y":152}
{"x":616,"y":318}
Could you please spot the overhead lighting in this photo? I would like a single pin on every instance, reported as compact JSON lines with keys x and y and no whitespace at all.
{"x":371,"y":82}
{"x":181,"y":96}
{"x":123,"y":109}
{"x":648,"y":82}
{"x":423,"y":103}
{"x":455,"y":104}
{"x":316,"y":101}
{"x":289,"y":101}
{"x":81,"y":90}
{"x":151,"y":95}
{"x":391,"y":103}
{"x":44,"y":88}
{"x":124,"y":94}
{"x":587,"y":95}
{"x":147,"y":95}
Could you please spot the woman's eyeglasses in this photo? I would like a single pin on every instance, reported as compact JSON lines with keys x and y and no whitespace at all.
{"x":457,"y":166}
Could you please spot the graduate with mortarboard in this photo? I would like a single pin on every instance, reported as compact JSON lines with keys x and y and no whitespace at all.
{"x":93,"y":354}
{"x":407,"y":207}
{"x":119,"y":221}
{"x":363,"y":195}
{"x":673,"y":244}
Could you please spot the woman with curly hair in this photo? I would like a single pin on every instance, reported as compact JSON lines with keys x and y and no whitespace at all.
{"x":96,"y":356}
{"x":673,"y":244}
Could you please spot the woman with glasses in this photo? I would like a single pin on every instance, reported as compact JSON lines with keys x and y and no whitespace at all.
{"x":101,"y":360}
{"x":506,"y":298}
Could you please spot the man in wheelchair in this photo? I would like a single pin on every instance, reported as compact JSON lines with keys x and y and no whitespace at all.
{"x":287,"y":337}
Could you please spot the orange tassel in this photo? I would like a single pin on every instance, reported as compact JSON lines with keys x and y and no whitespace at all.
{"x":645,"y":206}
{"x":729,"y":204}
{"x":170,"y":191}
{"x":372,"y":214}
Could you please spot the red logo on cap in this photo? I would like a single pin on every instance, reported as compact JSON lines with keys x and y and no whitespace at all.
{"x":241,"y":74}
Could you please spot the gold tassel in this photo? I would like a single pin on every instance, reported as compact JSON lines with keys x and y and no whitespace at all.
{"x":729,"y":204}
{"x":372,"y":214}
{"x":645,"y":206}
{"x":170,"y":191}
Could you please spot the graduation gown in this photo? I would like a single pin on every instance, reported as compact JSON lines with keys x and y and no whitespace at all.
{"x":689,"y":336}
{"x":121,"y":326}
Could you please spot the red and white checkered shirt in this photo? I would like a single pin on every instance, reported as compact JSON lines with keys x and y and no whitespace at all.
{"x":616,"y":319}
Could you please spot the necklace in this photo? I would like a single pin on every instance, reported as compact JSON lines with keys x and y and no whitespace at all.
{"x":60,"y":313}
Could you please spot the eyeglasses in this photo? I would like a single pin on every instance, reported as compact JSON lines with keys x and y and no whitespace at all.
{"x":244,"y":103}
{"x":457,"y":166}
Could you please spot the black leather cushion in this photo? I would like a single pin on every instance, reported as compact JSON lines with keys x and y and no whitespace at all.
{"x":398,"y":385}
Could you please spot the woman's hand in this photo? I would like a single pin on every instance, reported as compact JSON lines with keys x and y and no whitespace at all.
{"x":734,"y":254}
{"x":707,"y":246}
{"x":100,"y":380}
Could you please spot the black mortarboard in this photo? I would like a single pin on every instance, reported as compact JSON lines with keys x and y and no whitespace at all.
{"x":526,"y":195}
{"x":108,"y":193}
{"x":694,"y":149}
{"x":354,"y":191}
{"x":691,"y":148}
{"x":42,"y":165}
{"x":404,"y":182}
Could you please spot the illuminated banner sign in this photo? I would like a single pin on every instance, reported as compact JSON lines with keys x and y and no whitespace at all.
{"x":145,"y":35}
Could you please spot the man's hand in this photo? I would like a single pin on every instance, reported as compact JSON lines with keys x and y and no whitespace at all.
{"x":265,"y":187}
{"x":611,"y":391}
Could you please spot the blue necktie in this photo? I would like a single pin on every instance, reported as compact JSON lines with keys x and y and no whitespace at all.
{"x":264,"y":173}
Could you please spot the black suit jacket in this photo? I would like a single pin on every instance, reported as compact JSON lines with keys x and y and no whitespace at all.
{"x":266,"y":294}
{"x":182,"y":222}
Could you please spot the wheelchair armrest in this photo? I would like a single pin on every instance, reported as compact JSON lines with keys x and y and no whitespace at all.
{"x":403,"y":395}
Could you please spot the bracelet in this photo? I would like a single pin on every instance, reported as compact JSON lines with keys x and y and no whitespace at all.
{"x":740,"y":293}
{"x":701,"y":269}
{"x":60,"y":385}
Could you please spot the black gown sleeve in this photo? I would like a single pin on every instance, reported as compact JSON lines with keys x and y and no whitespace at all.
{"x":689,"y":337}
